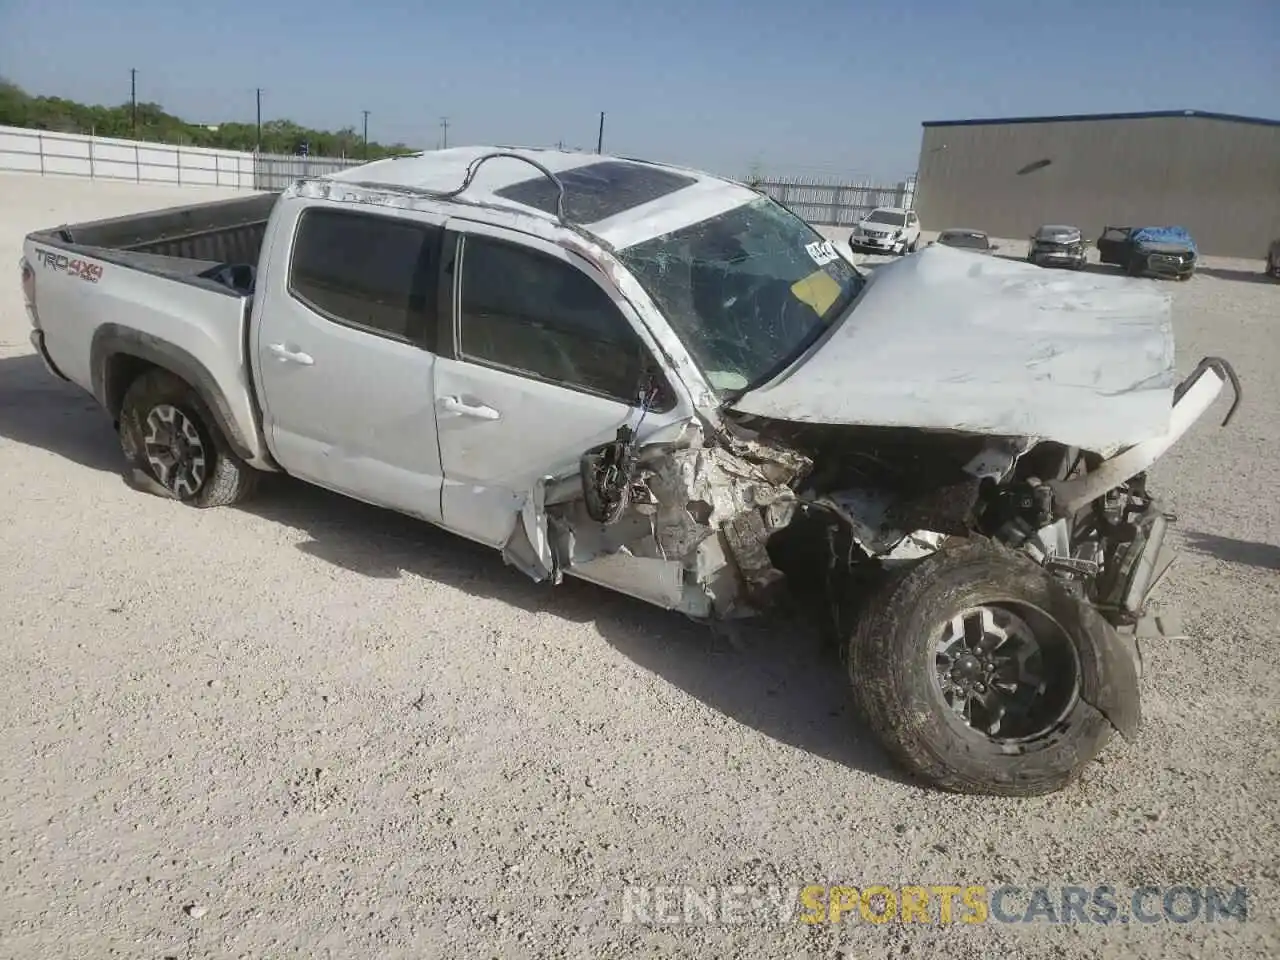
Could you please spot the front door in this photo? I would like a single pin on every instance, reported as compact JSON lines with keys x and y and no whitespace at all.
{"x":546,"y":363}
{"x":344,"y":354}
{"x":1111,"y":244}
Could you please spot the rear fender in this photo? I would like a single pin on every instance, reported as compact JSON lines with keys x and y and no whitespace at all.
{"x":113,"y":342}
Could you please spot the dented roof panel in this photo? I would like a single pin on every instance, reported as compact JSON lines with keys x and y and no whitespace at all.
{"x":948,"y":341}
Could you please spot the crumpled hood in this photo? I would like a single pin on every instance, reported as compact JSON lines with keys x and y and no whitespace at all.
{"x":948,"y":341}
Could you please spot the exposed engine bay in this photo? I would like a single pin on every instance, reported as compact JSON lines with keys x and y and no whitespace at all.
{"x":729,"y":521}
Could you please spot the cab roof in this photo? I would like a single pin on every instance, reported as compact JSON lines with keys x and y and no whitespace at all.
{"x":618,"y":200}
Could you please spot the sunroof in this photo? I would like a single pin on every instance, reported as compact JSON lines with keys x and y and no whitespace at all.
{"x":598,"y":190}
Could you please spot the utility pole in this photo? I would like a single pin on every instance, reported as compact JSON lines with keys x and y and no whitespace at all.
{"x":366,"y":133}
{"x":257,"y":143}
{"x":600,"y":135}
{"x":444,"y":133}
{"x":133,"y":102}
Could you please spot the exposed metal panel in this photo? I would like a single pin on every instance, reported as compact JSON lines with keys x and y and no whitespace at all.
{"x":1218,"y":178}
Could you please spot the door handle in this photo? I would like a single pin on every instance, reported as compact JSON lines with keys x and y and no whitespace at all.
{"x":456,"y":406}
{"x":292,"y":356}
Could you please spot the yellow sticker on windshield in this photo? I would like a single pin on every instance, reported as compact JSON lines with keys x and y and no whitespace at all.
{"x":818,"y":290}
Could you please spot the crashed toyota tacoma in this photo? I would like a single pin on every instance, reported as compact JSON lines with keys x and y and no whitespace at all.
{"x":664,"y":382}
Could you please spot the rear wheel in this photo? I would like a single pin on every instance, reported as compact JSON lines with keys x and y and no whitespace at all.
{"x":975,"y":668}
{"x":167,"y":432}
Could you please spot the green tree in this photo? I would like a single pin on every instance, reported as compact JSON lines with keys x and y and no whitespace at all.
{"x":20,"y":109}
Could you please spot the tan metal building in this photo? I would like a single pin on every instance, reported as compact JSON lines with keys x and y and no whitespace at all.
{"x":1215,"y":174}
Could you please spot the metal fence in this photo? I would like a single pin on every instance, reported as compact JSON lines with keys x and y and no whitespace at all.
{"x":835,"y":203}
{"x":108,"y":158}
{"x":821,"y":202}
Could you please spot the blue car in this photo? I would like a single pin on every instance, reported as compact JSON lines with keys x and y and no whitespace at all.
{"x":1140,"y":251}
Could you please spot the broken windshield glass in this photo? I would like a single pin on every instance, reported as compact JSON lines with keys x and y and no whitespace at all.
{"x":746,"y":291}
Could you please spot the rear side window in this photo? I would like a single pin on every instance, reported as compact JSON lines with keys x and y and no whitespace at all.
{"x":533,"y":314}
{"x":372,"y":272}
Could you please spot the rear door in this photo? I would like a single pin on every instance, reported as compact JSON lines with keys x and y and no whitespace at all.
{"x":343,"y":353}
{"x":545,"y":362}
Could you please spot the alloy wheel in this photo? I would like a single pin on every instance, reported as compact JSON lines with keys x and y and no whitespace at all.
{"x":175,"y":450}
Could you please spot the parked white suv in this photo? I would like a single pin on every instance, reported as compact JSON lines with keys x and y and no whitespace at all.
{"x":886,"y":230}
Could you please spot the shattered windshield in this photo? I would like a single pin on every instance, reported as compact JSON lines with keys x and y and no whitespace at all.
{"x":746,"y":291}
{"x":884,"y":216}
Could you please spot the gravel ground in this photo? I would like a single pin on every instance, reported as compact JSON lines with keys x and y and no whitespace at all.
{"x":312,"y":728}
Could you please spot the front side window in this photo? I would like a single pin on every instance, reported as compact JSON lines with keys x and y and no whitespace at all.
{"x":373,"y":272}
{"x":886,"y":217}
{"x":526,"y":311}
{"x":746,"y":291}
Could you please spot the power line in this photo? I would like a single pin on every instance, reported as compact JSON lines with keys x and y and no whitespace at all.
{"x":133,"y":101}
{"x":257,"y":143}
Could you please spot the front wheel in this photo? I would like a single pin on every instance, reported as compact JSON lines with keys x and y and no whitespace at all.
{"x":976,"y":669}
{"x":167,"y":432}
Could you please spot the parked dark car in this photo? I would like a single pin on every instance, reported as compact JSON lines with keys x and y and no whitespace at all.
{"x":1139,"y":251}
{"x":1273,"y":259}
{"x":966,"y":240}
{"x":1057,"y":245}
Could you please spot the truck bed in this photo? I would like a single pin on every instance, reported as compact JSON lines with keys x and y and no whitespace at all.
{"x":214,"y":244}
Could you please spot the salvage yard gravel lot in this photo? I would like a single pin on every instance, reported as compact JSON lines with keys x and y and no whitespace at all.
{"x":307,"y":727}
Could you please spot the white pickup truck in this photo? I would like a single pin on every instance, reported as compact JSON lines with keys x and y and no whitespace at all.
{"x":664,"y":382}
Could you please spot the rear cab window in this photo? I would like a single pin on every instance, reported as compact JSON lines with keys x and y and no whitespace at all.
{"x":376,"y":273}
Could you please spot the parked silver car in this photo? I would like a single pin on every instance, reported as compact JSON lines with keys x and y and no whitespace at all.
{"x":1057,"y":245}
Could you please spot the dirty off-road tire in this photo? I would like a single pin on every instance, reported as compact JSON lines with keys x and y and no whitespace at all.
{"x":906,"y":657}
{"x":167,"y":432}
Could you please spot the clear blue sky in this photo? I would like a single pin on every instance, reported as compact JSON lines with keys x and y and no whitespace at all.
{"x":802,"y":86}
